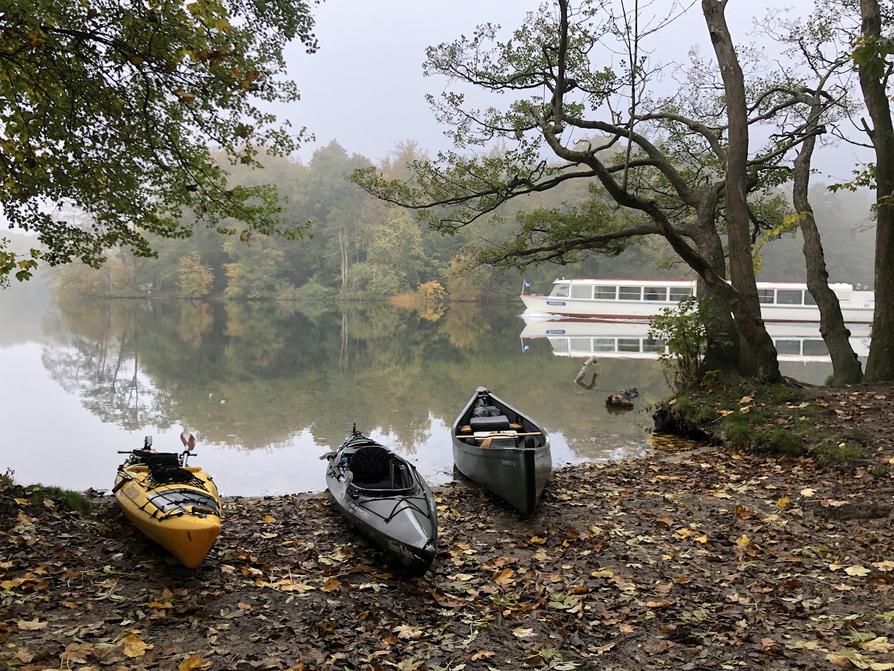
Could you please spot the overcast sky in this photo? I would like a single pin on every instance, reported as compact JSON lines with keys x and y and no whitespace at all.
{"x":365,"y":88}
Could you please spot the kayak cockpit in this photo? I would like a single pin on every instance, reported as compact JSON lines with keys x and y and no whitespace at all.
{"x":376,"y":471}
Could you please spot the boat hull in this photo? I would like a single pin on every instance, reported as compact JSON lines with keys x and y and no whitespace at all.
{"x":188,"y":537}
{"x":403,"y":524}
{"x":516,"y":475}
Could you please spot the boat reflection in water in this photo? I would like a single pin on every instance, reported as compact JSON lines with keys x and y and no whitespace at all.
{"x":629,"y":339}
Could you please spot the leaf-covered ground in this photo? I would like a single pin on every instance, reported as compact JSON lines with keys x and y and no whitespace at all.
{"x":707,"y":559}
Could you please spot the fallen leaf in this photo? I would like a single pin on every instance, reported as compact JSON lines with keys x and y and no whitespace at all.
{"x":886,"y":565}
{"x":267,"y":519}
{"x":407,"y":631}
{"x":505,"y":577}
{"x":857,"y":570}
{"x":783,"y":502}
{"x":193,"y":662}
{"x":808,"y":492}
{"x":522,"y":633}
{"x":134,"y":646}
{"x":537,"y":540}
{"x":31,"y":625}
{"x":331,"y":585}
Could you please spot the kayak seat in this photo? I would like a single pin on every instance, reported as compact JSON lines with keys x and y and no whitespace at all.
{"x":371,"y":466}
{"x":498,"y":423}
{"x":164,"y":467}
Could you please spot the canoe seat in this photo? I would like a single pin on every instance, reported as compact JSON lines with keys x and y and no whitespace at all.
{"x":498,"y":423}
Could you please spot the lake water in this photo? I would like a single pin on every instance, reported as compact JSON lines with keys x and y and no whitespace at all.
{"x":269,"y":387}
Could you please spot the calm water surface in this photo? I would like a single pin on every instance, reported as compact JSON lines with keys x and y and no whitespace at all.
{"x":268,"y":388}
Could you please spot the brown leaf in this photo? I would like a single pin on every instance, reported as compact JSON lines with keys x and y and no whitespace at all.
{"x":31,"y":625}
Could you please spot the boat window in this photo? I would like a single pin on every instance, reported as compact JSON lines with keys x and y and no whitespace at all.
{"x":765,"y":295}
{"x":650,"y":345}
{"x":815,"y":348}
{"x":808,"y":298}
{"x":579,"y":344}
{"x":605,"y":293}
{"x":788,"y":346}
{"x":630,"y":293}
{"x":604,"y":344}
{"x":560,"y":345}
{"x":628,"y":344}
{"x":560,"y":290}
{"x":581,"y":291}
{"x":789,"y":296}
{"x":655,"y":293}
{"x":679,"y":293}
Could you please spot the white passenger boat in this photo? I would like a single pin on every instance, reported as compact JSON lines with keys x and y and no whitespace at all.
{"x":629,"y":339}
{"x":643,"y":299}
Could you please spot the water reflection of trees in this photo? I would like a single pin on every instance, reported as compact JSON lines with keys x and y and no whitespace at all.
{"x":256,"y":374}
{"x":97,"y":358}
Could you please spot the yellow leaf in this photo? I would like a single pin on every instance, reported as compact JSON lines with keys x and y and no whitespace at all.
{"x":159,"y":604}
{"x":783,"y":502}
{"x":603,"y":573}
{"x":857,"y":570}
{"x":537,"y":540}
{"x":522,"y":633}
{"x":743,"y":541}
{"x":31,"y":625}
{"x":505,"y":577}
{"x":840,"y":661}
{"x":267,"y":519}
{"x":134,"y":646}
{"x":702,"y":539}
{"x":878,"y":644}
{"x":23,"y":502}
{"x":193,"y":662}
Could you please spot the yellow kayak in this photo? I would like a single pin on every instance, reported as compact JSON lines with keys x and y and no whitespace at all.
{"x":175,"y":505}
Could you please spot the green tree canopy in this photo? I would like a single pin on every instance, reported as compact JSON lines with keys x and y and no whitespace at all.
{"x":112,"y":116}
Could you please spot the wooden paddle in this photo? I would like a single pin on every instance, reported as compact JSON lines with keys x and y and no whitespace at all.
{"x":487,"y":440}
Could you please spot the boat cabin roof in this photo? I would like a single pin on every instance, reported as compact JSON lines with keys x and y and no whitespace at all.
{"x":839,"y":287}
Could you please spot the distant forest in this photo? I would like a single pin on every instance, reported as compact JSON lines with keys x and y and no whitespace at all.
{"x":358,"y":248}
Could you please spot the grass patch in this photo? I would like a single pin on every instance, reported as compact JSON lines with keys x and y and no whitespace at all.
{"x":777,"y":419}
{"x":37,"y":493}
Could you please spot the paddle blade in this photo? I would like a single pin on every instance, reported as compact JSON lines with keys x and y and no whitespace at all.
{"x":188,"y":440}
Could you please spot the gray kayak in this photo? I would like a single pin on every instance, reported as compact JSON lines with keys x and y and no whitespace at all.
{"x":385,"y":498}
{"x":502,"y":450}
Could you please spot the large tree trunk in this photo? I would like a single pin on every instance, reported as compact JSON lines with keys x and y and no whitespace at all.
{"x":846,"y":368}
{"x":723,"y":336}
{"x":741,"y":264}
{"x":880,"y":366}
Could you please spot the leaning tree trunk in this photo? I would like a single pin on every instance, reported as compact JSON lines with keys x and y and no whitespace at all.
{"x":880,"y":366}
{"x":846,"y":368}
{"x":741,"y":263}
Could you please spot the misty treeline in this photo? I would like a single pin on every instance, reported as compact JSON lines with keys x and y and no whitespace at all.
{"x":359,"y":248}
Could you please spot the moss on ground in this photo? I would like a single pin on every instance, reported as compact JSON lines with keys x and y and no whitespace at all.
{"x":770,"y":419}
